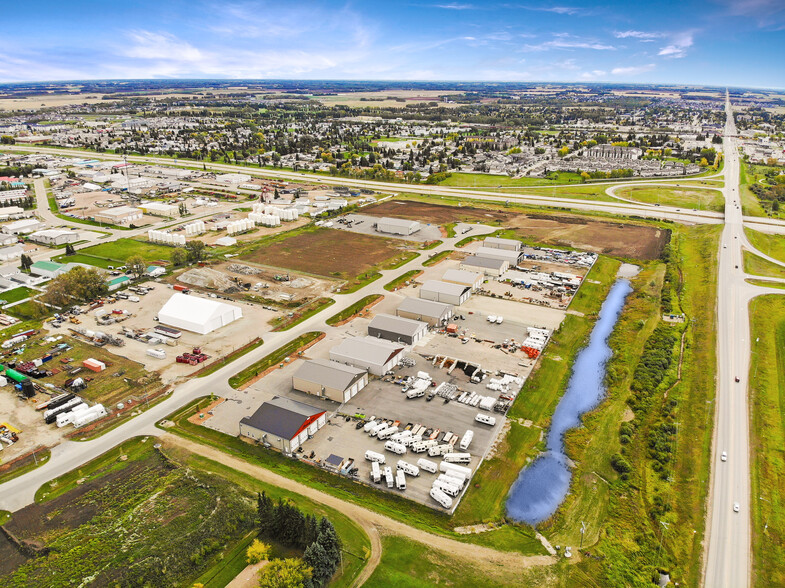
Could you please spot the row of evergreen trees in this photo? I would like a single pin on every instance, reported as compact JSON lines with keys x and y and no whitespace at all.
{"x":286,"y":524}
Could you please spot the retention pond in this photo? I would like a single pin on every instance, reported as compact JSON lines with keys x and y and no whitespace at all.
{"x":542,"y":486}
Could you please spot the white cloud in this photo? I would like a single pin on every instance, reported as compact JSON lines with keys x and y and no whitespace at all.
{"x":678,"y":46}
{"x":163,"y":46}
{"x":455,"y":6}
{"x":568,"y":10}
{"x":567,"y":41}
{"x":592,"y":75}
{"x":640,"y":35}
{"x":632,"y":70}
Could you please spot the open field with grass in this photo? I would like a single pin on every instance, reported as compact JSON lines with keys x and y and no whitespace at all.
{"x":23,"y":466}
{"x":408,"y":564}
{"x":471,"y":180}
{"x":93,"y":529}
{"x":766,"y":284}
{"x":116,"y":252}
{"x":623,"y":512}
{"x":675,"y":196}
{"x":353,"y":310}
{"x":17,"y":294}
{"x":272,"y":359}
{"x":750,"y":204}
{"x":518,"y":539}
{"x":767,"y":431}
{"x":757,"y":266}
{"x":771,"y":245}
{"x":401,"y":280}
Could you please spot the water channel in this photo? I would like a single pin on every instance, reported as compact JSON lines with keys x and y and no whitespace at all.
{"x":542,"y":486}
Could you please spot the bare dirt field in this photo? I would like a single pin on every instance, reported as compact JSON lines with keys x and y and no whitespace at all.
{"x":625,"y":240}
{"x":434,"y":213}
{"x":327,"y":252}
{"x":385,"y":98}
{"x":48,"y":101}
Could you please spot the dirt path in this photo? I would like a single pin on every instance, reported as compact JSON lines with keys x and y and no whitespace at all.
{"x":370,"y":521}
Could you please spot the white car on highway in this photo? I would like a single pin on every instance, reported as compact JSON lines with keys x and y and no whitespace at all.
{"x":724,"y":456}
{"x":735,"y":507}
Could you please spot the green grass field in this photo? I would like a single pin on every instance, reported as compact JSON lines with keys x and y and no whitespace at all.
{"x":401,"y":280}
{"x":284,"y":323}
{"x":434,"y":259}
{"x":117,"y":252}
{"x":767,"y":429}
{"x":353,"y":309}
{"x":17,"y":294}
{"x":757,"y":266}
{"x":771,"y":245}
{"x":689,"y":197}
{"x":485,"y":180}
{"x":750,"y":205}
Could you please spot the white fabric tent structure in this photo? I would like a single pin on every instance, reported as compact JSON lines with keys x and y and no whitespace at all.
{"x":199,"y":315}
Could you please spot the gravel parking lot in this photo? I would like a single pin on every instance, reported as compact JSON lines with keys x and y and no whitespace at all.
{"x":361,"y":223}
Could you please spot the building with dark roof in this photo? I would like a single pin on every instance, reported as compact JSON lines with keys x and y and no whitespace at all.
{"x":283,"y":424}
{"x":329,"y":379}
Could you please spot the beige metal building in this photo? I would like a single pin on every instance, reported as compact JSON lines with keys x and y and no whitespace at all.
{"x":329,"y":379}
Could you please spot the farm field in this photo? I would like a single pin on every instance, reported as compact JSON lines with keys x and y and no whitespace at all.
{"x":93,"y":529}
{"x":470,"y":180}
{"x":327,"y":252}
{"x":434,"y":213}
{"x":675,"y":196}
{"x":611,"y":238}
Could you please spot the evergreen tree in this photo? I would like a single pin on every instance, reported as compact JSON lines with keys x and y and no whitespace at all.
{"x":328,"y":539}
{"x":323,"y":567}
{"x":264,"y":512}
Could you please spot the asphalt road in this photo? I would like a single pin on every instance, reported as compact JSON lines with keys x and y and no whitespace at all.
{"x":728,"y":555}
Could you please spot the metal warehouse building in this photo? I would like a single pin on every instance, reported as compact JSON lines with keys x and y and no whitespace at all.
{"x":497,"y":243}
{"x":375,"y":355}
{"x":329,"y":379}
{"x":54,"y":237}
{"x":511,"y":257}
{"x":397,"y":226}
{"x":463,"y":278}
{"x":433,"y":313}
{"x":283,"y":423}
{"x":488,"y":266}
{"x":397,"y":329}
{"x":119,"y":215}
{"x":437,"y":291}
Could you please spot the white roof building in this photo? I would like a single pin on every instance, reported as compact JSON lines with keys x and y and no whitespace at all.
{"x":445,"y":292}
{"x":22,"y":226}
{"x":54,"y":237}
{"x":198,"y":315}
{"x":397,"y":226}
{"x":376,"y":355}
{"x":159,"y":208}
{"x":498,"y":243}
{"x":510,"y":256}
{"x":463,"y":277}
{"x":119,"y":215}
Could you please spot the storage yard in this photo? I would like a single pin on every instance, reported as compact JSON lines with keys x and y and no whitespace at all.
{"x":415,"y":408}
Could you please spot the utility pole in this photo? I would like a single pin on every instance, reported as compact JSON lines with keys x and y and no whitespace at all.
{"x":583,"y":530}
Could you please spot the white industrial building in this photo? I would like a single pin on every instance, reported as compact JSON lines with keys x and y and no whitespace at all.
{"x":11,"y":252}
{"x":54,"y":237}
{"x":198,"y":315}
{"x":510,"y":257}
{"x":487,"y":265}
{"x":433,"y":313}
{"x":119,"y":215}
{"x":397,"y":226}
{"x":11,"y":212}
{"x":498,"y":243}
{"x":397,"y":329}
{"x":375,"y":355}
{"x":445,"y":292}
{"x":464,"y":278}
{"x":22,"y":227}
{"x":159,"y":208}
{"x":233,"y":179}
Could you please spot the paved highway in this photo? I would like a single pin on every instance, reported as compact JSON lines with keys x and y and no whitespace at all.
{"x":728,"y":555}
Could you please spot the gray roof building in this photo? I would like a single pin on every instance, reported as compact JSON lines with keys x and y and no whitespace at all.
{"x":433,"y":313}
{"x":397,"y":226}
{"x":396,"y":328}
{"x":445,"y":292}
{"x":463,"y":277}
{"x":377,"y":356}
{"x":330,"y":379}
{"x":510,"y":256}
{"x":488,"y":265}
{"x":498,"y":243}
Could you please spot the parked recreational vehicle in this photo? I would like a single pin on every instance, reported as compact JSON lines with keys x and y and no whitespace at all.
{"x":441,"y":497}
{"x":400,"y":480}
{"x":407,"y":468}
{"x":485,"y":419}
{"x":458,"y":457}
{"x":398,"y":448}
{"x":373,"y":456}
{"x":466,"y":440}
{"x":427,"y":465}
{"x":376,"y":472}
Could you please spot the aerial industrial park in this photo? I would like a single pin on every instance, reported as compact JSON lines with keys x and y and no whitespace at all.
{"x":284,"y":305}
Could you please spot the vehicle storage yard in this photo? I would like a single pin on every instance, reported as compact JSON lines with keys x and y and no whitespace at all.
{"x":468,"y":367}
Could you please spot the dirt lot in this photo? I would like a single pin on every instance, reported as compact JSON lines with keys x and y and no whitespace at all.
{"x":220,"y":278}
{"x":22,"y":415}
{"x":327,"y":252}
{"x":434,"y":213}
{"x":625,"y":240}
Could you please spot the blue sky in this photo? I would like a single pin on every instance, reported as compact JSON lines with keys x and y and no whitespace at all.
{"x":716,"y":42}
